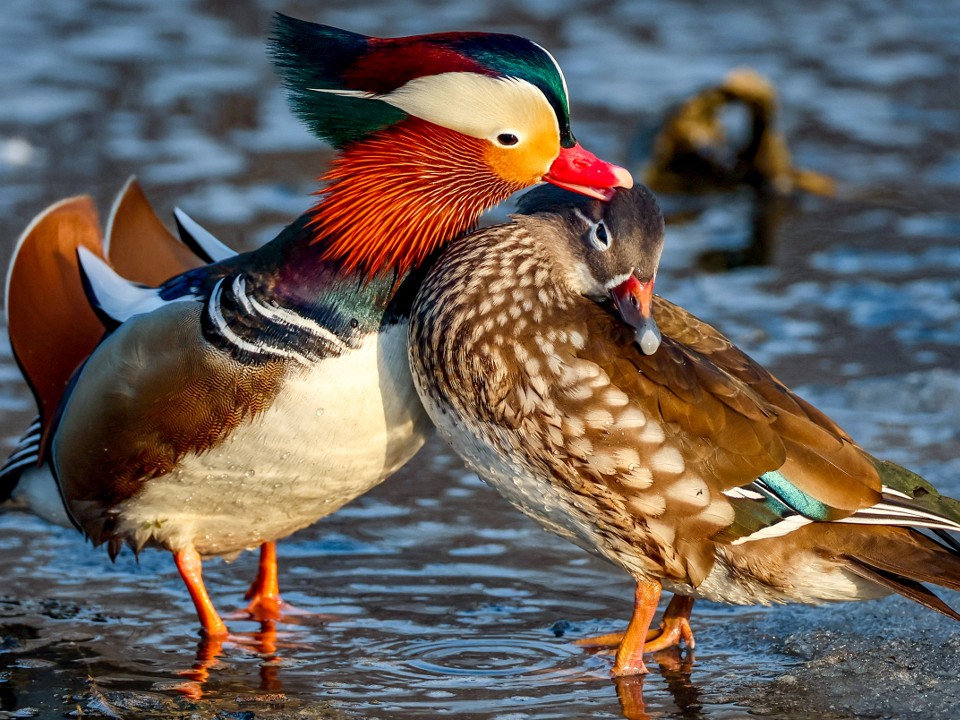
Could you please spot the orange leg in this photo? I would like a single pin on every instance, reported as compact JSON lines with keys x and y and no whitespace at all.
{"x":674,"y":627}
{"x":264,"y":593}
{"x":191,"y":570}
{"x":629,"y":659}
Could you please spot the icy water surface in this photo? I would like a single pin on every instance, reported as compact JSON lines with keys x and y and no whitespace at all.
{"x":430,"y":597}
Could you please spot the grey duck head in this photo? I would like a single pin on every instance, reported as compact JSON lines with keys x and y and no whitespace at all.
{"x":609,"y":250}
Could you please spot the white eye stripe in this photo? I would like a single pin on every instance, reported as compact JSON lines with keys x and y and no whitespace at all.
{"x":472,"y":104}
{"x":599,"y":234}
{"x":566,"y":94}
{"x":618,"y":280}
{"x":579,"y":213}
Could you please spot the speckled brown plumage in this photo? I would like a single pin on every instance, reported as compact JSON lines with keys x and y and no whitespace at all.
{"x":693,"y":466}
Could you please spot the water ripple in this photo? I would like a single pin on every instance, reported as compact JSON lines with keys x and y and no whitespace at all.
{"x":503,"y":657}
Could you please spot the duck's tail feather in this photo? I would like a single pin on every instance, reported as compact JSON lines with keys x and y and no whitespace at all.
{"x":52,"y":327}
{"x":138,"y":244}
{"x":901,"y":585}
{"x":200,"y":240}
{"x":900,"y":559}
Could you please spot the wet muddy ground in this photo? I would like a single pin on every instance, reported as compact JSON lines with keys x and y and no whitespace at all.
{"x":430,"y":596}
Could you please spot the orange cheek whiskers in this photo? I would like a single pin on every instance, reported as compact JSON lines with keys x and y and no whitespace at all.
{"x":392,"y":200}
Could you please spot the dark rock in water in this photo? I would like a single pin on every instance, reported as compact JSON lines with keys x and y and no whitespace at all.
{"x":12,"y":636}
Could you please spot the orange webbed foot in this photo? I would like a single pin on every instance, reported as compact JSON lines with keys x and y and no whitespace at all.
{"x":264,"y":594}
{"x":263,"y":606}
{"x":639,"y":638}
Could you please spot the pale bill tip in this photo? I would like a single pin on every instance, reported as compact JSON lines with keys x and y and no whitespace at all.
{"x":624,"y":178}
{"x":649,"y":340}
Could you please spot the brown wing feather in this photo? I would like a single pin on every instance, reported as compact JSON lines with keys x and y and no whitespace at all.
{"x":896,"y":550}
{"x":821,"y":458}
{"x":711,"y":343}
{"x":720,"y":422}
{"x":139,"y":245}
{"x":52,"y":328}
{"x":731,"y":421}
{"x":123,"y":402}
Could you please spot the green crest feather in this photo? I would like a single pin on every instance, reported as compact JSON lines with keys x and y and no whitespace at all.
{"x":312,"y":58}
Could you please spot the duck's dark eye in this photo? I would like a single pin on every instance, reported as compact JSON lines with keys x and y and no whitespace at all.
{"x":507,"y":139}
{"x":599,"y":237}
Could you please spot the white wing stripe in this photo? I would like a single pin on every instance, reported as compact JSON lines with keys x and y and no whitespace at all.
{"x":203,"y":237}
{"x":116,"y":296}
{"x":880,"y":514}
{"x":887,"y":490}
{"x":743,"y":493}
{"x":897,"y":514}
{"x":784,"y":527}
{"x":288,"y":317}
{"x":217,"y":317}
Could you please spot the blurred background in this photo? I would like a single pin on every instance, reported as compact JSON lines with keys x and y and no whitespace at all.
{"x":813,"y":199}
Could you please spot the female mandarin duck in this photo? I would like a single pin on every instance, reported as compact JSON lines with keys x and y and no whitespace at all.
{"x":241,"y":400}
{"x":677,"y":458}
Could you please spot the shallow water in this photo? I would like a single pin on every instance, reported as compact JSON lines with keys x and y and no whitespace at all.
{"x":430,"y":596}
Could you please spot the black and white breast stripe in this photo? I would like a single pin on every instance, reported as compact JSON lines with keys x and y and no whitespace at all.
{"x":27,"y":450}
{"x":236,"y":317}
{"x":257,"y":329}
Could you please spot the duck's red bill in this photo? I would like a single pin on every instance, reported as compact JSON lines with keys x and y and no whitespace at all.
{"x":633,"y":299}
{"x":581,"y":171}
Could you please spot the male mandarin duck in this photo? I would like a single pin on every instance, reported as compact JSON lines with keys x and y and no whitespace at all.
{"x":232,"y":402}
{"x":671,"y":454}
